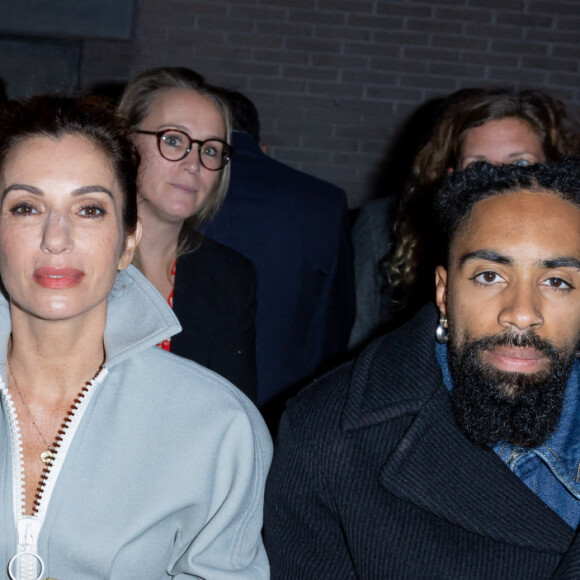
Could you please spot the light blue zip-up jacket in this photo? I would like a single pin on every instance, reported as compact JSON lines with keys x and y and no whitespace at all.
{"x":160,"y":473}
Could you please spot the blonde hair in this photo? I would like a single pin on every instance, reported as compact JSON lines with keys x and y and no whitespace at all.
{"x":135,"y":105}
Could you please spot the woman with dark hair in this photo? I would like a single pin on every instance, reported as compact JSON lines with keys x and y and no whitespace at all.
{"x":182,"y":128}
{"x":119,"y":460}
{"x":495,"y":125}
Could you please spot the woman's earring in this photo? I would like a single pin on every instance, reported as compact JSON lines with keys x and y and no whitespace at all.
{"x":441,"y":330}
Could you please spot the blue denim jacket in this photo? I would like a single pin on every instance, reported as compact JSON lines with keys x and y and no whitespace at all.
{"x":551,"y":471}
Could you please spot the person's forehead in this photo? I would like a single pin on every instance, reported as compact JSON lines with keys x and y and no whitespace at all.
{"x":540,"y":222}
{"x":187,"y":110}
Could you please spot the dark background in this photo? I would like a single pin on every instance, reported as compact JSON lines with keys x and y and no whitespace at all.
{"x":337,"y":82}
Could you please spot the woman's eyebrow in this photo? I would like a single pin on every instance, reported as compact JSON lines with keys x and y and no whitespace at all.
{"x":21,"y":186}
{"x":35,"y":191}
{"x":92,"y":189}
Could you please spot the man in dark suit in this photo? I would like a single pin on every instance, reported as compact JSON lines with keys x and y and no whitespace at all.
{"x":294,"y":227}
{"x":451,"y":449}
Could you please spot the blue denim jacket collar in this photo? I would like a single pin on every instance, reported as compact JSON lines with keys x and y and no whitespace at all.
{"x":560,"y":453}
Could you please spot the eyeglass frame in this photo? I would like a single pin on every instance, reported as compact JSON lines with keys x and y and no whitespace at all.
{"x":228,"y":149}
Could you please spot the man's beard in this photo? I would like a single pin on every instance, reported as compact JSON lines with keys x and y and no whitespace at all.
{"x":491,"y":405}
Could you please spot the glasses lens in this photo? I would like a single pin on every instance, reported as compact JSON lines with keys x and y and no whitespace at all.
{"x":213,"y":154}
{"x":173,"y":145}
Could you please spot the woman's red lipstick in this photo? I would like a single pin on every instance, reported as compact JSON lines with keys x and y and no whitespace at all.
{"x":58,"y":278}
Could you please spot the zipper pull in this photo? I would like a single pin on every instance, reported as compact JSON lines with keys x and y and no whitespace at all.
{"x":24,"y":564}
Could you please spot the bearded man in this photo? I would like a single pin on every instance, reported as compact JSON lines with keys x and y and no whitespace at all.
{"x":451,"y":447}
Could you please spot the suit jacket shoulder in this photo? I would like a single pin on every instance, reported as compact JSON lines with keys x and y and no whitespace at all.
{"x":294,"y":227}
{"x":284,"y":178}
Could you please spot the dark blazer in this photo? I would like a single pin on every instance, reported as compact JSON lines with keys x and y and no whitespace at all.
{"x":214,"y":299}
{"x":372,"y":479}
{"x":294,"y":228}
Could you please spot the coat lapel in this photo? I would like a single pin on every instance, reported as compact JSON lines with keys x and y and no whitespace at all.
{"x":434,"y":466}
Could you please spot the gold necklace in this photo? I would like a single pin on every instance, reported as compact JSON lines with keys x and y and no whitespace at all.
{"x":48,"y":454}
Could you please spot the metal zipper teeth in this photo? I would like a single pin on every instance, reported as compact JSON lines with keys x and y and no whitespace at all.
{"x":63,"y":442}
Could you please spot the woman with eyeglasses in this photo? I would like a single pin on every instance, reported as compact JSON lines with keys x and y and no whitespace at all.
{"x":181,"y":128}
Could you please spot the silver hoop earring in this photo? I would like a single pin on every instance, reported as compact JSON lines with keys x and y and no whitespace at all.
{"x":441,"y":333}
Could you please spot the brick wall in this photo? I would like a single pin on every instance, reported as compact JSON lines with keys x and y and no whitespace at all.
{"x":338,"y":82}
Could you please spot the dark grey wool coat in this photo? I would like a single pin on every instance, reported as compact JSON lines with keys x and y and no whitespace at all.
{"x":373,"y":480}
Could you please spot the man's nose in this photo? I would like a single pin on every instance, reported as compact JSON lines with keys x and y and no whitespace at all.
{"x":523,"y":307}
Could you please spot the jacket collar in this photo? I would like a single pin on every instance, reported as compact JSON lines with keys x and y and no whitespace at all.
{"x":405,"y":356}
{"x":434,"y":466}
{"x":137,"y":318}
{"x":244,"y":142}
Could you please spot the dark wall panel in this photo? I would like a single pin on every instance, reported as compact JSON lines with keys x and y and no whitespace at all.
{"x":28,"y":67}
{"x":68,"y":18}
